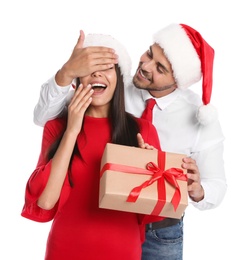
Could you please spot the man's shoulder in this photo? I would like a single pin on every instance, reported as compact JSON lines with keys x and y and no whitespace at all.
{"x":190,"y":97}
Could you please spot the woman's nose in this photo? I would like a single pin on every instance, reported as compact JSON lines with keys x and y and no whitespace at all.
{"x":97,"y":74}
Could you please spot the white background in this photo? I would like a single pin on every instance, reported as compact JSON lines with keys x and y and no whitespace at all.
{"x":37,"y":37}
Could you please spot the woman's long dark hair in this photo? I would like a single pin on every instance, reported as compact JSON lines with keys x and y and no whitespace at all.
{"x":124,"y":125}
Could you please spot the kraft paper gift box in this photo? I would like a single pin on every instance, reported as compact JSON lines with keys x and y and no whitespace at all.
{"x":143,"y":181}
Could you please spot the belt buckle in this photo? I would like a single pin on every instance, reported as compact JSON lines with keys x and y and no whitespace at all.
{"x":148,"y":227}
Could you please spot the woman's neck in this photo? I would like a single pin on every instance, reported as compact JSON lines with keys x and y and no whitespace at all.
{"x":98,"y":112}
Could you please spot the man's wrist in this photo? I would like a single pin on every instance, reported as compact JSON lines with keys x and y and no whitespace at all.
{"x":62,"y":79}
{"x":200,"y":196}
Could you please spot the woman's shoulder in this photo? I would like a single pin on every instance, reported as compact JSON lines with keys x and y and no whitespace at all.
{"x":56,"y":125}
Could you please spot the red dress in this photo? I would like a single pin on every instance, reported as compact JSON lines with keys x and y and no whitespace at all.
{"x":80,"y":229}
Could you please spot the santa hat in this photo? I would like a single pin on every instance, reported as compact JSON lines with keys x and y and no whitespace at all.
{"x":191,"y":58}
{"x":124,"y":60}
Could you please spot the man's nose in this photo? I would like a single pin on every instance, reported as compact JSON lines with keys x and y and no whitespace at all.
{"x":148,"y":65}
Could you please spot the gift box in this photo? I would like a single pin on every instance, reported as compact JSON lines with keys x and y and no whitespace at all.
{"x":143,"y":181}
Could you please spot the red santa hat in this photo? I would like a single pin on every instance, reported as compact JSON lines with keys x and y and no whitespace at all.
{"x":124,"y":60}
{"x":191,"y":58}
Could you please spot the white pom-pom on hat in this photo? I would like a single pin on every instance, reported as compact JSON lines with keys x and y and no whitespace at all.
{"x":191,"y":58}
{"x":206,"y":114}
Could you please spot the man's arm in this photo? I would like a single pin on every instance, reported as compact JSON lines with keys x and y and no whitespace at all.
{"x":209,"y":158}
{"x":52,"y":101}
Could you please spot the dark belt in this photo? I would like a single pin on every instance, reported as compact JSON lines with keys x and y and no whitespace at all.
{"x":167,"y":222}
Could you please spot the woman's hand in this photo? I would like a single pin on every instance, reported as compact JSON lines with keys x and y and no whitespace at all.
{"x":77,"y":108}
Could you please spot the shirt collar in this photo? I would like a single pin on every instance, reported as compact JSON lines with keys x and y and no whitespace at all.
{"x":162,"y":102}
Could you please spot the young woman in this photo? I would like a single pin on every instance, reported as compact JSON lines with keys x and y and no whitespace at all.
{"x":65,"y":184}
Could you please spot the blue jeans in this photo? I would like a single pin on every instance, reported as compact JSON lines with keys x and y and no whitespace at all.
{"x":164,"y":243}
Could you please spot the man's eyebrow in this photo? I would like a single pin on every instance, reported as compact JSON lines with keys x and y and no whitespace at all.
{"x":151,"y":52}
{"x":158,"y":63}
{"x":162,"y":66}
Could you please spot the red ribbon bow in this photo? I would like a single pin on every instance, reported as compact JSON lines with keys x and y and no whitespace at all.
{"x":170,"y":175}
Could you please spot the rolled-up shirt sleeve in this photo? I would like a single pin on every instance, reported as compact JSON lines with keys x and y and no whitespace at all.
{"x":209,"y":158}
{"x":53,"y":101}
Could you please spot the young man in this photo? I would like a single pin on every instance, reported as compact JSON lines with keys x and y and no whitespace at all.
{"x":186,"y":124}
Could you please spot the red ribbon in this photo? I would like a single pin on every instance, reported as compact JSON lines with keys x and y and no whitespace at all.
{"x":158,"y":174}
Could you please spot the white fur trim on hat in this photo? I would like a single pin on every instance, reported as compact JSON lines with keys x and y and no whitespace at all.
{"x":124,"y":60}
{"x":181,"y":54}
